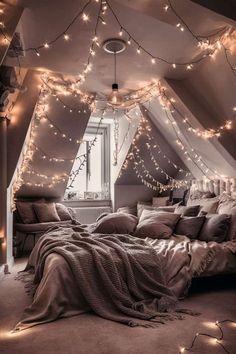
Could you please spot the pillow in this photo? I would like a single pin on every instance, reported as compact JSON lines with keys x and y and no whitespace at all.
{"x":102,"y":216}
{"x":26,"y":212}
{"x":156,"y":224}
{"x":207,"y":204}
{"x":116,"y":223}
{"x":153,"y":229}
{"x":215,"y":228}
{"x":187,"y":210}
{"x":230,"y":209}
{"x":46,"y":212}
{"x":143,"y":205}
{"x":63,"y":212}
{"x":128,"y":210}
{"x":189,"y":226}
{"x":160,"y":201}
{"x":196,"y":194}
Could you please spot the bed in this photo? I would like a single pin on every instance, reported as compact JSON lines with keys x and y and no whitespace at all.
{"x":121,"y":277}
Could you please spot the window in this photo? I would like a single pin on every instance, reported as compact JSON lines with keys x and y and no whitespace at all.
{"x":92,"y":180}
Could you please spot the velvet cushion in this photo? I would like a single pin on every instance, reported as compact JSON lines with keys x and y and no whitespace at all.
{"x":215,"y":228}
{"x":46,"y":212}
{"x":128,"y":210}
{"x":63,"y":212}
{"x":187,"y":210}
{"x":189,"y":226}
{"x":160,"y":201}
{"x":26,"y":211}
{"x":229,"y":207}
{"x":116,"y":223}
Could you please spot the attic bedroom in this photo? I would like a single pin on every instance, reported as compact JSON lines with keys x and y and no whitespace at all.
{"x":117,"y":177}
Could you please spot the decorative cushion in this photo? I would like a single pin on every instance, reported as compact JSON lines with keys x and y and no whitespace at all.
{"x":143,"y":205}
{"x":102,"y":216}
{"x":196,"y":194}
{"x":189,"y":226}
{"x":46,"y":212}
{"x":187,"y":210}
{"x":215,"y":228}
{"x":207,"y":204}
{"x":156,"y":224}
{"x":160,"y":201}
{"x":230,"y":209}
{"x":116,"y":223}
{"x":153,"y":229}
{"x":63,"y":212}
{"x":26,"y":212}
{"x":128,"y":210}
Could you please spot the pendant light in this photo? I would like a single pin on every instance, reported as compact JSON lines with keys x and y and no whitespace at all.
{"x":115,"y":46}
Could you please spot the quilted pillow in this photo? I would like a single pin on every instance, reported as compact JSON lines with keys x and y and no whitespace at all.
{"x":63,"y":212}
{"x":215,"y":228}
{"x":116,"y":223}
{"x":187,"y":210}
{"x":189,"y":226}
{"x":46,"y":212}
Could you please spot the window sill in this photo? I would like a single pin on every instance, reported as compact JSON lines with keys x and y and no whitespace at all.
{"x":87,"y":202}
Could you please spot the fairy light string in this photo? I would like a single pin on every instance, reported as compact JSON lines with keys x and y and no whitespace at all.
{"x":213,"y":339}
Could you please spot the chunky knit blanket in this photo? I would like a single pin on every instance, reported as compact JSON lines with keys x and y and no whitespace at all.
{"x":119,"y":277}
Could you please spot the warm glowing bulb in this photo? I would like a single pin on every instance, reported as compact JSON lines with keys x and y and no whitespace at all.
{"x":129,"y":42}
{"x":174,"y":66}
{"x":182,"y":350}
{"x":138,"y":51}
{"x":121,"y":32}
{"x":46,"y":45}
{"x":66,"y":37}
{"x":85,"y":17}
{"x":153,"y":60}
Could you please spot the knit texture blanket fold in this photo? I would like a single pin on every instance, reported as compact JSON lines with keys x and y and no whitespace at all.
{"x":119,"y":277}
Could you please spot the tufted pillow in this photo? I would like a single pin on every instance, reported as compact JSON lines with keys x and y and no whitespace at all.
{"x":46,"y":212}
{"x":63,"y":212}
{"x":187,"y":210}
{"x":116,"y":223}
{"x":128,"y":210}
{"x":215,"y":228}
{"x":189,"y":226}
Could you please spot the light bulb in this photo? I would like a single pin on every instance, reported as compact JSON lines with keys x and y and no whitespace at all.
{"x":66,"y":37}
{"x":85,"y":17}
{"x":115,"y":98}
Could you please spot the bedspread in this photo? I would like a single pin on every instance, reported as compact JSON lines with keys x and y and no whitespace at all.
{"x":119,"y":277}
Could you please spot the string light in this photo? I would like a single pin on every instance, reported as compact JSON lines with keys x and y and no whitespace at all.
{"x":212,"y":339}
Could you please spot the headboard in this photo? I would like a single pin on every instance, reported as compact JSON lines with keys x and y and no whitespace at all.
{"x":217,"y":186}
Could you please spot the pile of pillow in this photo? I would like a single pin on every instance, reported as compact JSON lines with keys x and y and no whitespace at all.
{"x":40,"y":212}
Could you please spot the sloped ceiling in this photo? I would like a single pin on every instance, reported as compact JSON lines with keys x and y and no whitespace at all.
{"x":210,"y":85}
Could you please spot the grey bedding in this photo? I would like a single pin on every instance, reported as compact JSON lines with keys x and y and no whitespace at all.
{"x":149,"y":282}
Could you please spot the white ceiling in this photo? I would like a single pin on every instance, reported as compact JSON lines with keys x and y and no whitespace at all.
{"x":145,"y":19}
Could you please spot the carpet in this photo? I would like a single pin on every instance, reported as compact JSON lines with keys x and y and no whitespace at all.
{"x":89,"y":334}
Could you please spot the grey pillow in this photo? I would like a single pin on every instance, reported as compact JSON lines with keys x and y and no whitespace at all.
{"x":189,"y":226}
{"x":26,"y":211}
{"x":143,"y":205}
{"x":63,"y":212}
{"x":168,"y":219}
{"x":229,"y":207}
{"x":128,"y":210}
{"x":116,"y":223}
{"x":153,"y":229}
{"x":215,"y":228}
{"x":187,"y":210}
{"x":46,"y":212}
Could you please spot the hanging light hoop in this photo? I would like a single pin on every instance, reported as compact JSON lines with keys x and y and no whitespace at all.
{"x":114,"y":46}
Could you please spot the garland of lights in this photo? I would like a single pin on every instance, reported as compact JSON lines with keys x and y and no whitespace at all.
{"x":169,"y":103}
{"x":213,"y":339}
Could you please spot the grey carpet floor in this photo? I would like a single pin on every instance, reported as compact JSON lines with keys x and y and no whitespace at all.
{"x":89,"y":334}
